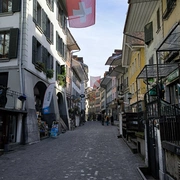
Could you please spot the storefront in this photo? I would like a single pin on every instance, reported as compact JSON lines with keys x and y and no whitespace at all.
{"x":12,"y":128}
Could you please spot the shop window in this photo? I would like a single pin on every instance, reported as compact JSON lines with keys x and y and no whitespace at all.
{"x":9,"y":43}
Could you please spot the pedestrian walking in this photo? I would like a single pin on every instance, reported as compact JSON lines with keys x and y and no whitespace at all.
{"x":107,"y":120}
{"x":102,"y":119}
{"x":112,"y":120}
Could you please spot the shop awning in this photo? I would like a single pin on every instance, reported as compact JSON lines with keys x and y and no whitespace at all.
{"x":172,"y":40}
{"x":150,"y":71}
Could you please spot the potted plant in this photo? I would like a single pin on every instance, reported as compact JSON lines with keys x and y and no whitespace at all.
{"x":49,"y":73}
{"x":40,"y":66}
{"x":61,"y":80}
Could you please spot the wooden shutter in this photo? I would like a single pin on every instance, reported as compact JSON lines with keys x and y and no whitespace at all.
{"x":57,"y":41}
{"x":34,"y":50}
{"x":13,"y":43}
{"x":43,"y":21}
{"x":148,"y":30}
{"x":44,"y":56}
{"x":35,"y":11}
{"x":16,"y":5}
{"x":51,"y":32}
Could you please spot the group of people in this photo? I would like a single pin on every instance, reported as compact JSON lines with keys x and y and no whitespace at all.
{"x":106,"y":119}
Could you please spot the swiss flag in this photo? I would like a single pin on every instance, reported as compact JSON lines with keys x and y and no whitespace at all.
{"x":81,"y":13}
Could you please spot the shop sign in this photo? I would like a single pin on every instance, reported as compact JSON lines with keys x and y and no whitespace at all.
{"x":173,"y":75}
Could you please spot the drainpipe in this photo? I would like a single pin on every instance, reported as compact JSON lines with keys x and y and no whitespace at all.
{"x":20,"y":51}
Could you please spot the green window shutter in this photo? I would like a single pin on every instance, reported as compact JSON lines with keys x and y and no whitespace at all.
{"x":57,"y":41}
{"x":43,"y":21}
{"x":44,"y":56}
{"x":61,"y":46}
{"x":56,"y":70}
{"x":65,"y":52}
{"x":13,"y":43}
{"x":34,"y":50}
{"x":51,"y":32}
{"x":35,"y":11}
{"x":16,"y":5}
{"x":148,"y":31}
{"x":51,"y":62}
{"x":52,"y":3}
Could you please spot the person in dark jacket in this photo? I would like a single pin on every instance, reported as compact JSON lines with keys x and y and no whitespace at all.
{"x":112,"y":120}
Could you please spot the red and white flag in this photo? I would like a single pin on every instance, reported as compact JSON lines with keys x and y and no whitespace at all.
{"x":95,"y":81}
{"x":81,"y":13}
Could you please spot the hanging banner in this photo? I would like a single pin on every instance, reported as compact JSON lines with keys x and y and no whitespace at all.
{"x":94,"y":79}
{"x":81,"y":13}
{"x":47,"y":99}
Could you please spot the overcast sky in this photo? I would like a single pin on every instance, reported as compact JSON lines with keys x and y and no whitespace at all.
{"x":98,"y":42}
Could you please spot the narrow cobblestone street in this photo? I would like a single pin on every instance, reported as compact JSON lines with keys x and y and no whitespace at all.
{"x":90,"y":152}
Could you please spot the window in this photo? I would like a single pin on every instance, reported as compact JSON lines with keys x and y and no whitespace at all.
{"x":37,"y":51}
{"x":151,"y":60}
{"x":60,"y":46}
{"x":148,"y":30}
{"x":41,"y":55}
{"x":158,"y":20}
{"x":61,"y":18}
{"x":4,"y":44}
{"x":9,"y":43}
{"x":7,"y":6}
{"x":50,"y":4}
{"x":39,"y":17}
{"x":49,"y":31}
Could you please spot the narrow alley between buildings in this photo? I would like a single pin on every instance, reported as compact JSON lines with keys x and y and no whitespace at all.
{"x":90,"y":152}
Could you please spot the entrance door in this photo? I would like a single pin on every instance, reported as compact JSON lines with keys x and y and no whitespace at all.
{"x":152,"y":149}
{"x":3,"y":131}
{"x":1,"y":134}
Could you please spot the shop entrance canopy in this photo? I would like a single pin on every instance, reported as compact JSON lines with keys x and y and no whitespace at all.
{"x":172,"y":41}
{"x":151,"y":71}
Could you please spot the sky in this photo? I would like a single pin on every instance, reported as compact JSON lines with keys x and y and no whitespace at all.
{"x":98,"y":42}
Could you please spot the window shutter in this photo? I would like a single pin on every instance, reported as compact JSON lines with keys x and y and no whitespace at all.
{"x":61,"y":46}
{"x":148,"y":30}
{"x":13,"y":43}
{"x":51,"y":62}
{"x":52,"y":5}
{"x":51,"y":32}
{"x":16,"y":5}
{"x":44,"y":20}
{"x":35,"y":11}
{"x":56,"y":70}
{"x":34,"y":50}
{"x":57,"y":44}
{"x":44,"y":56}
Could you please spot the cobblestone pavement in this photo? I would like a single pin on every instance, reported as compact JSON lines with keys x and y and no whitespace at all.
{"x":90,"y":152}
